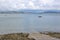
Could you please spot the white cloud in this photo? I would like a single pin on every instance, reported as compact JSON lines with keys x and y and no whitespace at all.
{"x":29,"y":4}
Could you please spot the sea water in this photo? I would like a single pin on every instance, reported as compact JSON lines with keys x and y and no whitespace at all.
{"x":10,"y":23}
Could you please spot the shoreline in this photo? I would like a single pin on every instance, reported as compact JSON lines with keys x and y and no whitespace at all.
{"x":15,"y":36}
{"x":31,"y":36}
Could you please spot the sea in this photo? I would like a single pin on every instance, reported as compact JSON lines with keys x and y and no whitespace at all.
{"x":28,"y":22}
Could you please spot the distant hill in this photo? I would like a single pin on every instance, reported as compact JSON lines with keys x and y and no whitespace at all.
{"x":52,"y":11}
{"x":32,"y":11}
{"x":40,"y":11}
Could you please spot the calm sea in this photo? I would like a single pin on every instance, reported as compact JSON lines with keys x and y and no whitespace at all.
{"x":29,"y":22}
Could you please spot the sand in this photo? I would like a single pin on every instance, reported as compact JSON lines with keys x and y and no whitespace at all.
{"x":38,"y":36}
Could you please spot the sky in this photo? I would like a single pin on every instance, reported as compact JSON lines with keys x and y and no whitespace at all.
{"x":29,"y":4}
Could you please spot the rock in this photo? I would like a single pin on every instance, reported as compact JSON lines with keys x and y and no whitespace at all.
{"x":15,"y":36}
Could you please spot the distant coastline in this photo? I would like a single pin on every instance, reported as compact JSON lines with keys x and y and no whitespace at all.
{"x":31,"y":11}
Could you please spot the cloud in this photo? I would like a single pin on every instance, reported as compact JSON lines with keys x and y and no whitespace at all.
{"x":29,"y":4}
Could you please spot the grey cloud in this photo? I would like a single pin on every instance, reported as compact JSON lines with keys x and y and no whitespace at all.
{"x":29,"y":4}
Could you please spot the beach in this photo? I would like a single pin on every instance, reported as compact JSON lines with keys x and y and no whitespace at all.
{"x":27,"y":36}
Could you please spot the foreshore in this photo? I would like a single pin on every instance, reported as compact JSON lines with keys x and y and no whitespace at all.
{"x":31,"y":36}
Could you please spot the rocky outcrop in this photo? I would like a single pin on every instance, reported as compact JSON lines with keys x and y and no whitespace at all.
{"x":15,"y":36}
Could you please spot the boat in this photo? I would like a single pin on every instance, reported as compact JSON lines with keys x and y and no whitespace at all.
{"x":39,"y":16}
